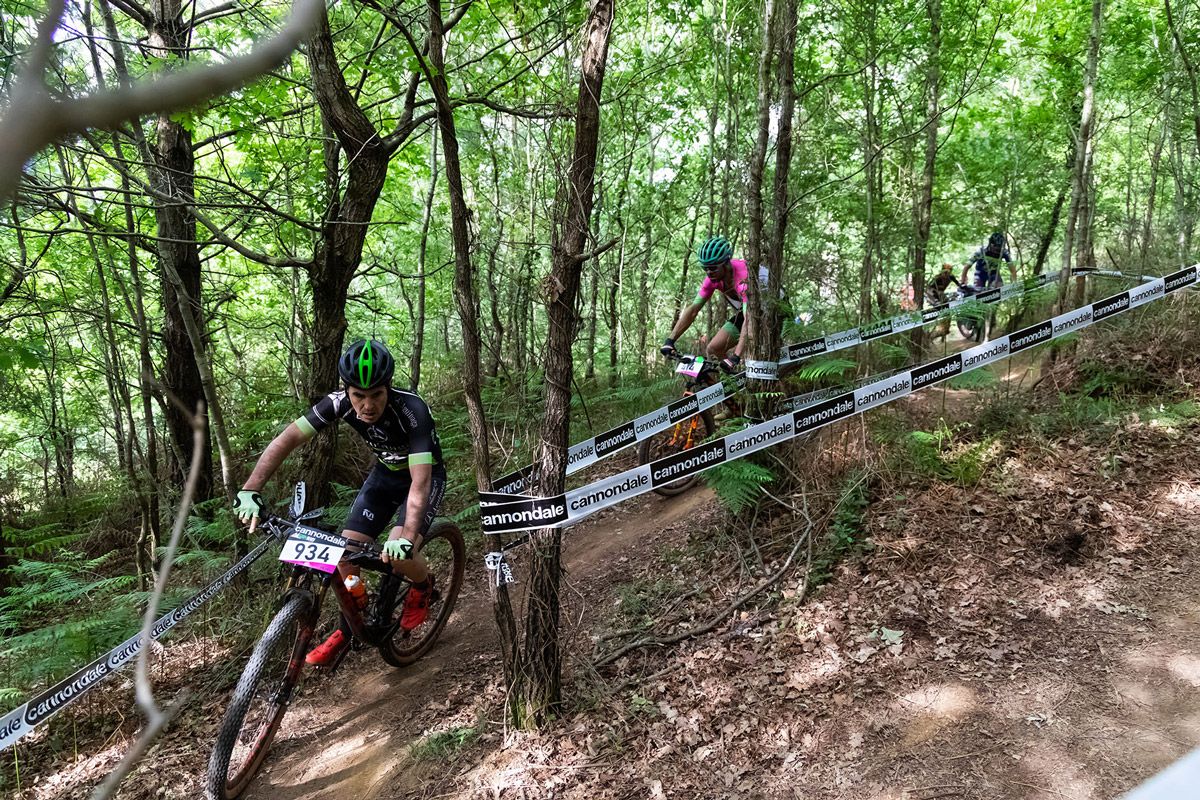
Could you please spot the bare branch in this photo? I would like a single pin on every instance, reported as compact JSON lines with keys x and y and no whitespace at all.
{"x":34,"y":118}
{"x":156,"y":719}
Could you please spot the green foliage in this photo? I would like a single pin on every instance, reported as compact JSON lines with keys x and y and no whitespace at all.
{"x":737,"y":483}
{"x":944,"y":454}
{"x":975,"y":379}
{"x":845,"y":528}
{"x":826,"y":368}
{"x":444,"y":744}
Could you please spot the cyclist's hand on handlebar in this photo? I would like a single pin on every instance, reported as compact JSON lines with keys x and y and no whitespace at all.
{"x":668,"y":348}
{"x":731,"y":362}
{"x":249,"y":507}
{"x":397,"y":549}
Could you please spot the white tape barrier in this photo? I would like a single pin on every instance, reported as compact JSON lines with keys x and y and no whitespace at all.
{"x":590,"y":451}
{"x":23,"y":719}
{"x":792,"y":353}
{"x":530,"y":513}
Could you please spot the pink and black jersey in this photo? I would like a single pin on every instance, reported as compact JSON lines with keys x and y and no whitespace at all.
{"x":738,"y":289}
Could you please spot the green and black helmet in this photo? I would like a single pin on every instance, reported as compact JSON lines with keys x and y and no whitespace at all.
{"x":715,"y":252}
{"x":366,"y":364}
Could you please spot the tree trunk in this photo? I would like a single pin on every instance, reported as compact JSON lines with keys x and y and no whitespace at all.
{"x":343,"y":232}
{"x":539,"y":688}
{"x":173,"y":174}
{"x":758,"y":158}
{"x":1151,"y":196}
{"x":1082,"y":148}
{"x":468,"y":313}
{"x":769,"y":323}
{"x":414,"y":364}
{"x":923,"y":211}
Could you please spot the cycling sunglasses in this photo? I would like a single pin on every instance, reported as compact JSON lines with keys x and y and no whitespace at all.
{"x":712,"y":269}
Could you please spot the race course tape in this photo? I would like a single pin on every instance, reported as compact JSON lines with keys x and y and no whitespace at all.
{"x":851,"y":337}
{"x":603,"y":445}
{"x":23,"y":719}
{"x":530,"y":513}
{"x":591,"y":450}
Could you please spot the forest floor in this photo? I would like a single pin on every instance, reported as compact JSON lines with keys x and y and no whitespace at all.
{"x":1035,"y":635}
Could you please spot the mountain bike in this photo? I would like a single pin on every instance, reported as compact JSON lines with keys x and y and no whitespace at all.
{"x":972,"y":323}
{"x":272,"y":678}
{"x":698,"y":373}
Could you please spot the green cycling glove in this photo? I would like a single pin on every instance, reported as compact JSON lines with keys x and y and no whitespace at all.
{"x":398,"y":549}
{"x":249,"y":505}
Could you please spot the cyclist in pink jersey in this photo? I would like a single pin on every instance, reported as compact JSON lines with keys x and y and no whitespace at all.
{"x":730,"y":277}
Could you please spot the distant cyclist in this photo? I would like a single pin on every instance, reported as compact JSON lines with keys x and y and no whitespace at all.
{"x":986,"y":262}
{"x":408,"y":481}
{"x":935,"y":291}
{"x":730,"y":277}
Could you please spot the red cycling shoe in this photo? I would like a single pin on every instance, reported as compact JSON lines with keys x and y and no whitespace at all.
{"x":326,"y":654}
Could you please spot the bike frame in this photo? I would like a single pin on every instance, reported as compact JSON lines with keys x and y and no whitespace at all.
{"x":371,"y":632}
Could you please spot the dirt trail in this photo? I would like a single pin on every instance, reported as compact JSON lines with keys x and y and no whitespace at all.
{"x":350,"y":736}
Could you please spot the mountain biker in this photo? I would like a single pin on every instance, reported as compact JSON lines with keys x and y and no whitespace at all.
{"x":408,"y":480}
{"x":935,"y":292}
{"x":986,"y":262}
{"x":730,"y":277}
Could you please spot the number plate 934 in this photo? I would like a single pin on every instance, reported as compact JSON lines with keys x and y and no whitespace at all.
{"x":308,"y":547}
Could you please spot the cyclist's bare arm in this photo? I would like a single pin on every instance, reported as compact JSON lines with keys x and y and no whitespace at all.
{"x":418,"y":499}
{"x":686,"y":319}
{"x":275,"y":454}
{"x":1012,"y":271}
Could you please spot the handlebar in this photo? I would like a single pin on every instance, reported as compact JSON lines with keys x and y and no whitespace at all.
{"x":367,"y":554}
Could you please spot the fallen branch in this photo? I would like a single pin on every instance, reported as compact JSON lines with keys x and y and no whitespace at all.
{"x":716,"y":619}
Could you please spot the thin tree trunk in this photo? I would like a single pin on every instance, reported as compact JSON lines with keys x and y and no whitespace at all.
{"x":539,"y":694}
{"x":468,"y":314}
{"x":923,"y":211}
{"x":1082,"y":148}
{"x":1151,"y":197}
{"x":758,"y":158}
{"x":414,"y":364}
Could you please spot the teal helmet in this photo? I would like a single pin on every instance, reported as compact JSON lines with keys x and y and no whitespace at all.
{"x":716,"y":252}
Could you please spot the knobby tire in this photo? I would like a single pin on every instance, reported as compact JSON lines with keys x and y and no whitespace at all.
{"x":270,"y":676}
{"x":676,"y":440}
{"x":446,"y":553}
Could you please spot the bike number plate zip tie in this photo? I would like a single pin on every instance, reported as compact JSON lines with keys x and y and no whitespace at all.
{"x":313,"y":549}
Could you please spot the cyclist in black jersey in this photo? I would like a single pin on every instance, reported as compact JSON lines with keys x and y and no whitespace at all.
{"x":408,"y":482}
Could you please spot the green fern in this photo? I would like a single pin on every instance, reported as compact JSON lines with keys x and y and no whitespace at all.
{"x":825,"y":368}
{"x":737,"y":483}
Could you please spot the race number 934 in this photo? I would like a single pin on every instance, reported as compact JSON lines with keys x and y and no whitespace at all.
{"x":304,"y":550}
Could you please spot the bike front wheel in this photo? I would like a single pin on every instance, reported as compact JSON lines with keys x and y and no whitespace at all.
{"x":683,"y":435}
{"x":260,"y":700}
{"x":446,"y":554}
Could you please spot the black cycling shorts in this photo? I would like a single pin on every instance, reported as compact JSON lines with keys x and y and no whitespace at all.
{"x":384,"y":495}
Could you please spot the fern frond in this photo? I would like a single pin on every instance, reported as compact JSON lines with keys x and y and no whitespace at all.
{"x":825,"y":368}
{"x":737,"y":483}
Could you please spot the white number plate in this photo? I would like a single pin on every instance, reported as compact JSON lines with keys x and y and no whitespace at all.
{"x":308,"y":547}
{"x":690,"y":368}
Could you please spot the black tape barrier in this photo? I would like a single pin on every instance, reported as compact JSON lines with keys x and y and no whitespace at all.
{"x":852,"y":337}
{"x":589,"y":451}
{"x":23,"y":719}
{"x":531,"y":513}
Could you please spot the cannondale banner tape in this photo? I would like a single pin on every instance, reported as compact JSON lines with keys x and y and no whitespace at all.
{"x":590,"y":451}
{"x":23,"y":719}
{"x":569,"y":508}
{"x":792,"y":353}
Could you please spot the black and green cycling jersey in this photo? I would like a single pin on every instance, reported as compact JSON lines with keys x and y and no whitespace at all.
{"x":403,"y":435}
